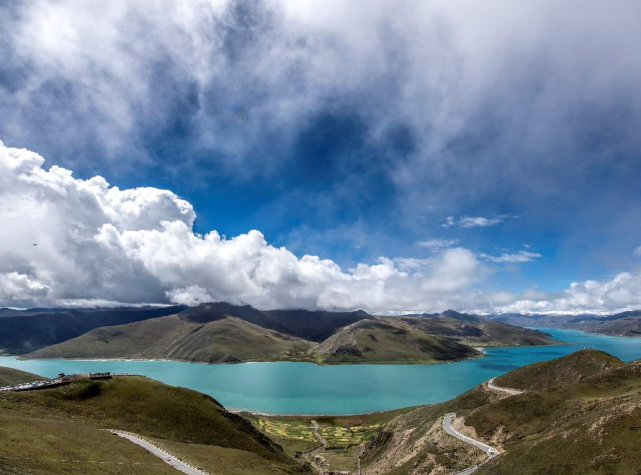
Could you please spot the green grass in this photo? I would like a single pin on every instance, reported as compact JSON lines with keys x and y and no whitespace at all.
{"x":221,"y":461}
{"x":151,"y":409}
{"x":10,"y":376}
{"x":52,"y":447}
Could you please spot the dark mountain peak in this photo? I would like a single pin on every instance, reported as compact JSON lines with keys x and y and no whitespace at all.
{"x":361,"y":313}
{"x":464,"y":317}
{"x":316,"y":325}
{"x":212,"y":311}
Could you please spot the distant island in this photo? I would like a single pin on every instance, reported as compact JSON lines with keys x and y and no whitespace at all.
{"x":225,"y":333}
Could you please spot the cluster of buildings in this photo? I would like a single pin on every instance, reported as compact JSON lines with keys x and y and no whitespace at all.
{"x":49,"y":383}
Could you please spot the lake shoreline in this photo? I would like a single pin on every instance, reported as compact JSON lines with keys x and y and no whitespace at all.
{"x":481,"y":349}
{"x":282,"y":389}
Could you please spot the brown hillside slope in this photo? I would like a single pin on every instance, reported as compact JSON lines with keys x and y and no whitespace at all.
{"x":579,"y":428}
{"x":589,"y":427}
{"x":568,"y":369}
{"x":223,"y":340}
{"x":389,"y":341}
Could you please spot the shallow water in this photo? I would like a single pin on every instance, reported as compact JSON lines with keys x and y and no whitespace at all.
{"x":304,"y":388}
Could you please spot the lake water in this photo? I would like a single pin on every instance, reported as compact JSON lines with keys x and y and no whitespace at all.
{"x":304,"y":388}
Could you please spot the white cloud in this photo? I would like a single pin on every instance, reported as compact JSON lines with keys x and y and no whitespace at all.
{"x":621,"y":293}
{"x":18,"y":288}
{"x":98,"y":245}
{"x":521,"y":256}
{"x":96,"y":242}
{"x":475,"y":221}
{"x":437,"y":244}
{"x":637,"y":251}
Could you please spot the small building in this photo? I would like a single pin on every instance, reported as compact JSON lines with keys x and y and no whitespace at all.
{"x":99,"y":375}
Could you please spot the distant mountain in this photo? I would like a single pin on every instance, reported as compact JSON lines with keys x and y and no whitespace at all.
{"x":390,"y":341}
{"x":33,"y":329}
{"x":474,"y":330}
{"x":222,"y":339}
{"x":619,"y":324}
{"x":318,"y":325}
{"x":579,"y":416}
{"x":222,"y":333}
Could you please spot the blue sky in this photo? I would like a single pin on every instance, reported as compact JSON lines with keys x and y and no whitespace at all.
{"x":351,"y":133}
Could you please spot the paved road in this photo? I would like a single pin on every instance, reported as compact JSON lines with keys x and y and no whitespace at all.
{"x":167,"y":458}
{"x":490,"y":451}
{"x":510,"y":391}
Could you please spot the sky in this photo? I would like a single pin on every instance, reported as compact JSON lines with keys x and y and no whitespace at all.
{"x":399,"y":156}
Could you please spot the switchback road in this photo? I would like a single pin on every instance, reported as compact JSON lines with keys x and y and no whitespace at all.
{"x":490,"y":451}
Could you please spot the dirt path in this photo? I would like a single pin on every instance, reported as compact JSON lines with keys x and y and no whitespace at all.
{"x":313,"y":457}
{"x":508,"y":391}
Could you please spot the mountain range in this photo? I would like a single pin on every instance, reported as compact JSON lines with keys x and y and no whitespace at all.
{"x":225,"y":333}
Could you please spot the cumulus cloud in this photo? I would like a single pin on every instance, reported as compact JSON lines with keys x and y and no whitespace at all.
{"x":621,"y":293}
{"x":68,"y":241}
{"x":74,"y":240}
{"x":521,"y":256}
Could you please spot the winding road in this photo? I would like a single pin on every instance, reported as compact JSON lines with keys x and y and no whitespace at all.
{"x":319,"y":464}
{"x":167,"y":457}
{"x":490,"y":451}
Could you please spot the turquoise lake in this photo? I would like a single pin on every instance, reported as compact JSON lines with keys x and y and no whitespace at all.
{"x":304,"y":388}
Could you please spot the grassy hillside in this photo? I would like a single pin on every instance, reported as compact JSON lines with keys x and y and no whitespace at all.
{"x":223,"y":340}
{"x":389,"y":341}
{"x":27,"y":331}
{"x":568,"y":369}
{"x":588,"y":424}
{"x":56,"y":447}
{"x":10,"y":376}
{"x":589,"y":427}
{"x":71,"y":416}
